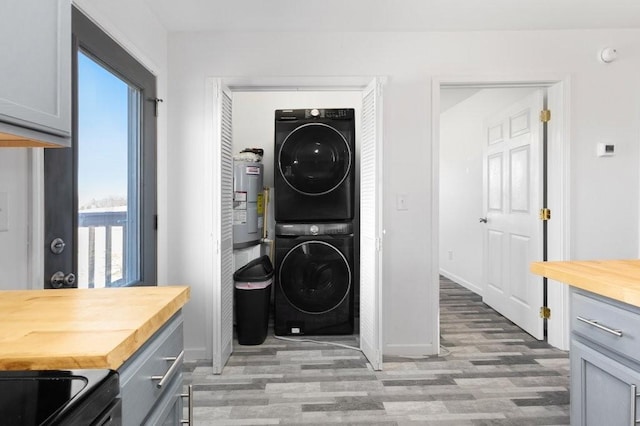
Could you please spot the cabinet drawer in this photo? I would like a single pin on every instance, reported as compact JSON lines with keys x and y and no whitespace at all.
{"x":139,"y":391}
{"x":606,"y":317}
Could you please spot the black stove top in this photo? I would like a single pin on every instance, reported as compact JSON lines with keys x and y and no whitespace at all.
{"x":31,"y":398}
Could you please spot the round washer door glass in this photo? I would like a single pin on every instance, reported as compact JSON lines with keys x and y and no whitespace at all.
{"x":314,"y":159}
{"x":315,"y":277}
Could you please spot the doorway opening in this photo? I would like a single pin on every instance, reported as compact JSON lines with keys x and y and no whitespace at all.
{"x":366,"y":97}
{"x":478,"y":187}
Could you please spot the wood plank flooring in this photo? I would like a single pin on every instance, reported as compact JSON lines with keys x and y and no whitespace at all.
{"x":489,"y":373}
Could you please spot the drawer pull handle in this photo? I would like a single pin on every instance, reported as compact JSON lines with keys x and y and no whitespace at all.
{"x":634,"y":411}
{"x":601,"y":327}
{"x":189,"y":395}
{"x":177,"y":364}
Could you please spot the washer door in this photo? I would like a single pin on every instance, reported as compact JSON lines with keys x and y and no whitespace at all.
{"x":314,"y":159}
{"x":315,"y":277}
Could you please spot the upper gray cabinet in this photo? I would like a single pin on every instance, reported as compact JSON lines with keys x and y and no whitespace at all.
{"x":35,"y":73}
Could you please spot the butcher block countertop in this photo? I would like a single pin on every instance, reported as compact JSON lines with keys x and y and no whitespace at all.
{"x":616,"y":279}
{"x":81,"y":328}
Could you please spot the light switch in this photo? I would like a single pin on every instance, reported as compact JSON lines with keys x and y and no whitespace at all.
{"x":4,"y":211}
{"x":401,"y":202}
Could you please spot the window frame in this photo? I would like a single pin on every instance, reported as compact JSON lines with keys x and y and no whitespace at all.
{"x":91,"y":40}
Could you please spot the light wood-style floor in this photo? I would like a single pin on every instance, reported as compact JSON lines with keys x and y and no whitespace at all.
{"x":489,"y":373}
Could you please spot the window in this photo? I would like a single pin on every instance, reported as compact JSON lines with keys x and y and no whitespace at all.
{"x":110,"y":193}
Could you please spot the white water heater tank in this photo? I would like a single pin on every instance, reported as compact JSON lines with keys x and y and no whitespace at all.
{"x":248,"y":205}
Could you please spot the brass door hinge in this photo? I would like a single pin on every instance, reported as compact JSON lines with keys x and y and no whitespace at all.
{"x":545,"y":312}
{"x":545,"y":115}
{"x":545,"y":214}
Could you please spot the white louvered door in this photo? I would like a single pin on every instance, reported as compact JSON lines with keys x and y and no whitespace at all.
{"x":223,"y":228}
{"x":371,"y":225}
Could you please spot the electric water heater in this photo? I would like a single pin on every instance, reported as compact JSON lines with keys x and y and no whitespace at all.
{"x":248,"y":206}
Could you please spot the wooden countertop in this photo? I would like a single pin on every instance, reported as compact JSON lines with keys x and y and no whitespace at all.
{"x":616,"y":279}
{"x":81,"y":328}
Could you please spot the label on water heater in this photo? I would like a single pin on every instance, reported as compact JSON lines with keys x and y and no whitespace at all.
{"x":252,"y":170}
{"x":239,"y":217}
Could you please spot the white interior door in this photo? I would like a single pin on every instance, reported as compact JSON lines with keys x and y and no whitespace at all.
{"x":512,"y":199}
{"x":222,"y":227}
{"x":371,"y":225}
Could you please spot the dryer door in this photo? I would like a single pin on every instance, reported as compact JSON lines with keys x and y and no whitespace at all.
{"x":315,"y":277}
{"x":314,"y":159}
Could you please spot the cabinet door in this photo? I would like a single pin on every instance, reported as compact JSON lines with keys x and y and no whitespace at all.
{"x":603,"y":390}
{"x":168,"y":409}
{"x":35,"y":73}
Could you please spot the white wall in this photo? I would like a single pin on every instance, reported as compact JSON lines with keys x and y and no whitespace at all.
{"x":14,"y":241}
{"x":461,"y":147}
{"x":604,"y":106}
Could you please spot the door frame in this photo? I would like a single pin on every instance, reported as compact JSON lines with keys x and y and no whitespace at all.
{"x":558,"y":170}
{"x":268,"y":84}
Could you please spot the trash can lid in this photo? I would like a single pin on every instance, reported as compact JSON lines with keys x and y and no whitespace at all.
{"x":259,"y":269}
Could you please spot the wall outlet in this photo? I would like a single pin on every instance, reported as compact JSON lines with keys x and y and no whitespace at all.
{"x":4,"y":212}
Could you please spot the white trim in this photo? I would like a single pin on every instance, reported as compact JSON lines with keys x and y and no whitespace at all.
{"x":257,"y":84}
{"x":211,"y":233}
{"x":411,"y":350}
{"x":560,"y":203}
{"x":559,"y":236}
{"x":36,"y":222}
{"x":459,"y":280}
{"x":92,"y":12}
{"x":298,"y":83}
{"x":434,"y":289}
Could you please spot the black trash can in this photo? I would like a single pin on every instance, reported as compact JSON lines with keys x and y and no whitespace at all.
{"x":253,"y":295}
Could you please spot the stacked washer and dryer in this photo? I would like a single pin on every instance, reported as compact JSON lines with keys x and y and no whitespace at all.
{"x":314,"y":213}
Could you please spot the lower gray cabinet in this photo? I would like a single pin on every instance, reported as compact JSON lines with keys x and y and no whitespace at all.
{"x":603,"y":390}
{"x":151,"y":380}
{"x":169,"y":408}
{"x":605,"y":361}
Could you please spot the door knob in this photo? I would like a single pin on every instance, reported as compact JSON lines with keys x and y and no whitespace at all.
{"x":483,"y":220}
{"x":59,"y":280}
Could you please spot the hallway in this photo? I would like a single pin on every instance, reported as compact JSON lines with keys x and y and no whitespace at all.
{"x":489,"y":373}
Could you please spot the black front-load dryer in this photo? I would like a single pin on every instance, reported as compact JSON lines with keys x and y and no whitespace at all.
{"x":314,"y":165}
{"x":314,"y":279}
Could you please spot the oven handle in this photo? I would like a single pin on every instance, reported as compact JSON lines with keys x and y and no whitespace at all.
{"x":189,"y":395}
{"x":177,"y":364}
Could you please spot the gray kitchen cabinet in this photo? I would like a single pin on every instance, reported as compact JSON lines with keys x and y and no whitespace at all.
{"x":605,"y":361}
{"x":151,"y":380}
{"x":35,"y":73}
{"x":169,"y":407}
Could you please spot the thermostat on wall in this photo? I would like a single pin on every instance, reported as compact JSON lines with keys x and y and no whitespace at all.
{"x":605,"y":150}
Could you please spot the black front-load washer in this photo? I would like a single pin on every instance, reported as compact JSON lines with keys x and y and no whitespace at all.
{"x":314,"y":279}
{"x":314,"y":165}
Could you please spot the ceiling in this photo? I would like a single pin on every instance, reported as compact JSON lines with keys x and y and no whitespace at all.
{"x":394,"y":15}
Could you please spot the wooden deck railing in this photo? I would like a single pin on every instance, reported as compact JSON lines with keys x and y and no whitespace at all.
{"x":108,"y":221}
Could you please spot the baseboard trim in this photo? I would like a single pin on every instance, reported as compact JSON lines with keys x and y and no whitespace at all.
{"x":410,"y":350}
{"x":464,"y":283}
